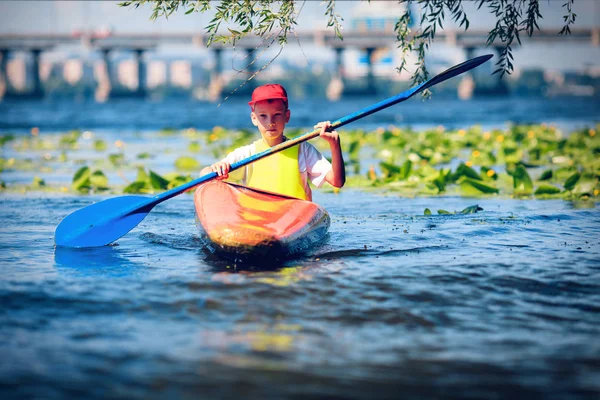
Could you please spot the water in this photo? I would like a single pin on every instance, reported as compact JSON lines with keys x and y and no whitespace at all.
{"x":132,"y":114}
{"x":494,"y":304}
{"x":499,"y":304}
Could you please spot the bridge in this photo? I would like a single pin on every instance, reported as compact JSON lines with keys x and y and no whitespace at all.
{"x":141,"y":43}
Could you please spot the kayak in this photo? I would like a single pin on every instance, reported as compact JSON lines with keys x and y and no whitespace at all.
{"x":242,"y":223}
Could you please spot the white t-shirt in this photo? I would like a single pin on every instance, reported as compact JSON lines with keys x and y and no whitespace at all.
{"x":311,"y":163}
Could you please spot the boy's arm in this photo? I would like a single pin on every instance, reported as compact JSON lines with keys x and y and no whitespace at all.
{"x":337,"y":176}
{"x":222,"y":167}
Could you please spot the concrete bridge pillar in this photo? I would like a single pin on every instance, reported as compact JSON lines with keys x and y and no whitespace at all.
{"x":215,"y":86}
{"x":104,"y":78}
{"x":371,"y":88}
{"x":336,"y":86}
{"x":466,"y":87}
{"x":141,"y":72}
{"x":3,"y":77}
{"x":37,"y":91}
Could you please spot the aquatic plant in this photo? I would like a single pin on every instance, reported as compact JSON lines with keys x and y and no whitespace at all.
{"x":519,"y":161}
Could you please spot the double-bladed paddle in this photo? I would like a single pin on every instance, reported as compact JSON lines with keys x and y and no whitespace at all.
{"x":106,"y":221}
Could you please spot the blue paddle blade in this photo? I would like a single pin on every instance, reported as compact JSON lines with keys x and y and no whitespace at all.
{"x":102,"y":223}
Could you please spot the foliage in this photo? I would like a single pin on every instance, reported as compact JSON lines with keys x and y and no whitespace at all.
{"x":519,"y":161}
{"x":274,"y":21}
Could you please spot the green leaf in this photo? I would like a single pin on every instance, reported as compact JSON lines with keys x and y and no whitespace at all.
{"x":116,"y":159}
{"x":142,"y":176}
{"x":6,"y":138}
{"x":521,"y":180}
{"x":464,"y":170}
{"x":470,"y":186}
{"x":100,"y":145}
{"x":389,"y":169}
{"x":585,"y":185}
{"x":405,"y":169}
{"x":546,"y":175}
{"x":194,"y":147}
{"x":98,"y":180}
{"x":136,"y":187}
{"x":443,"y":212}
{"x":38,"y":182}
{"x":545,"y":189}
{"x":178,"y":181}
{"x":81,"y":179}
{"x":471,"y":210}
{"x":571,"y":181}
{"x":427,"y":211}
{"x":157,"y":181}
{"x":187,"y":163}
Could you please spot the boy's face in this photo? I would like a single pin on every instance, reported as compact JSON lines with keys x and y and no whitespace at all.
{"x":270,"y":116}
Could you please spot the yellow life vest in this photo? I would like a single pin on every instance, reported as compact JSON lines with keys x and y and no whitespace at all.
{"x":278,"y":172}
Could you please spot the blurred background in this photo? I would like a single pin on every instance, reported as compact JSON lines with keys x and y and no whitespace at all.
{"x":93,"y":64}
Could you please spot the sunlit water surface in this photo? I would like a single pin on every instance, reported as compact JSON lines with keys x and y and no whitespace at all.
{"x":501,"y":303}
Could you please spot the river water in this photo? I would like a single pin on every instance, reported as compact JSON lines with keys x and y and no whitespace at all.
{"x":502,"y":303}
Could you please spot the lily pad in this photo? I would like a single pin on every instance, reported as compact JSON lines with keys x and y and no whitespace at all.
{"x":466,"y":171}
{"x":571,"y":181}
{"x":471,"y":209}
{"x":187,"y":163}
{"x":81,"y":179}
{"x":546,"y":189}
{"x":521,"y":180}
{"x":473,"y":187}
{"x":136,"y":187}
{"x":157,"y":181}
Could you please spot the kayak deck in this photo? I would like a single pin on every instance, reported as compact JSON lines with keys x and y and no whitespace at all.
{"x":242,"y":223}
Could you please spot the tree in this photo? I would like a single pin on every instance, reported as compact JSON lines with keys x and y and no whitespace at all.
{"x":273,"y":21}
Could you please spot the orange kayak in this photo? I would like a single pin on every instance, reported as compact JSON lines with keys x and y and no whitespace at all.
{"x":242,"y":223}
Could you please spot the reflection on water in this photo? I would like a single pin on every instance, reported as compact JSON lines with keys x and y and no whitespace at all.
{"x":493,"y":304}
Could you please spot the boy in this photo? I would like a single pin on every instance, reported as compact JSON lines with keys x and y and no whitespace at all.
{"x":286,"y":172}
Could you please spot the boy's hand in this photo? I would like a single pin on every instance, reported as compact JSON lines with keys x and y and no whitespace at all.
{"x":332,"y":137}
{"x":221,"y":168}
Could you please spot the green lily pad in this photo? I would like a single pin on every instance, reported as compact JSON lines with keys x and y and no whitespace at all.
{"x":157,"y":181}
{"x":521,"y":180}
{"x":546,"y":175}
{"x":81,"y":179}
{"x":144,"y":156}
{"x":571,"y":181}
{"x":98,"y":180}
{"x":38,"y":182}
{"x":466,"y":171}
{"x":100,"y":145}
{"x":194,"y":147}
{"x":585,"y":185}
{"x":187,"y":163}
{"x":6,"y":138}
{"x":471,"y":209}
{"x":473,"y":187}
{"x":546,"y":189}
{"x":142,"y":176}
{"x":136,"y":187}
{"x":116,"y":159}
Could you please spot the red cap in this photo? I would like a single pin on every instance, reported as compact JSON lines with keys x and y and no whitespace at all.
{"x":271,"y":91}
